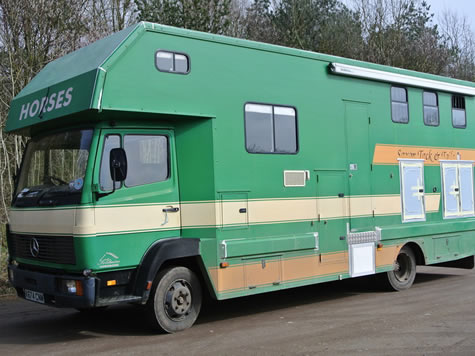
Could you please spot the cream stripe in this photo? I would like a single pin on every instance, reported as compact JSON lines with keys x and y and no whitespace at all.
{"x":129,"y":218}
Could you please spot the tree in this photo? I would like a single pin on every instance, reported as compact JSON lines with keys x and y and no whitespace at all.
{"x":326,"y":26}
{"x":460,"y":38}
{"x":32,"y":33}
{"x":401,"y":33}
{"x":212,"y":16}
{"x":107,"y":16}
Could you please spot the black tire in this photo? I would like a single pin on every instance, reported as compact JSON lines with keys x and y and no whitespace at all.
{"x":404,"y":273}
{"x":175,"y":301}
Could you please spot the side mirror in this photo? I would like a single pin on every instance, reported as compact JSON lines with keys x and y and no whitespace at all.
{"x":118,"y":165}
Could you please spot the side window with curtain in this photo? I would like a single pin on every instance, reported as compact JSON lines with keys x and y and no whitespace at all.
{"x":147,"y":159}
{"x":399,"y":105}
{"x":270,"y":129}
{"x":431,"y":108}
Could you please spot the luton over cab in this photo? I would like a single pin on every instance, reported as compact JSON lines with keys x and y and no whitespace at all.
{"x":166,"y":164}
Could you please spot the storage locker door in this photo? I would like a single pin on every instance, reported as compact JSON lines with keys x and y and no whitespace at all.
{"x":412,"y":190}
{"x":466,"y":189}
{"x":451,"y":189}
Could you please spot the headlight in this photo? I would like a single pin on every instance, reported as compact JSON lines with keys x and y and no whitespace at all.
{"x":69,"y":286}
{"x":72,"y":286}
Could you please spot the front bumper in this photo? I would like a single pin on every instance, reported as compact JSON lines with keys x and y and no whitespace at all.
{"x":50,"y":286}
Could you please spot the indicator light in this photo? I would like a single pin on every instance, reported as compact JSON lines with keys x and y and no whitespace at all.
{"x":79,"y":289}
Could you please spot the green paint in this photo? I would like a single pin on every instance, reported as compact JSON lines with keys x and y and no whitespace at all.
{"x":118,"y":90}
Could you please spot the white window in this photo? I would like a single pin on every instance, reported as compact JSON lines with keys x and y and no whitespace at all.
{"x":412,"y":190}
{"x":459,"y":118}
{"x":172,"y":62}
{"x":270,"y":128}
{"x":399,"y":105}
{"x":457,"y":188}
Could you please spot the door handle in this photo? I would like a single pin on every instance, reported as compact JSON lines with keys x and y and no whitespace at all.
{"x":171,"y":210}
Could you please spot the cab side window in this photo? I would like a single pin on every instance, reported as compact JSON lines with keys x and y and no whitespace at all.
{"x":147,"y":159}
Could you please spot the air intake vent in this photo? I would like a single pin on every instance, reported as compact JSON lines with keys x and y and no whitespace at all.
{"x":55,"y":249}
{"x":296,"y":178}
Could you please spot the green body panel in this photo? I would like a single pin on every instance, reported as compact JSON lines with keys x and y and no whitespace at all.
{"x":340,"y":122}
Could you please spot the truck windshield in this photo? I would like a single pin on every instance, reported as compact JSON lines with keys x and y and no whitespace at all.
{"x":53,"y":169}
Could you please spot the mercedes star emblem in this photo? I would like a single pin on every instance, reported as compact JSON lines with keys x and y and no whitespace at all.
{"x":34,"y":247}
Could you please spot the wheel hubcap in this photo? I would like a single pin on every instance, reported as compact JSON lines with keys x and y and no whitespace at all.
{"x":178,"y":300}
{"x":402,"y":268}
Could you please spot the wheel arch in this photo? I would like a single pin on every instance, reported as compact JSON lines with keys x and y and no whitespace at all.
{"x":166,"y":253}
{"x":418,"y":252}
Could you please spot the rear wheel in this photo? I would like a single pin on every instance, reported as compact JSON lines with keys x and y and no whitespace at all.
{"x":404,"y":273}
{"x":175,"y":301}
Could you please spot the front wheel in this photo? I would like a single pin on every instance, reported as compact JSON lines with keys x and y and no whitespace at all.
{"x":404,"y":273}
{"x":175,"y":301}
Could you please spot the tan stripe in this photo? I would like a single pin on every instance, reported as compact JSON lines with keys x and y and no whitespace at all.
{"x":387,"y":255}
{"x":389,"y":154}
{"x":251,"y":274}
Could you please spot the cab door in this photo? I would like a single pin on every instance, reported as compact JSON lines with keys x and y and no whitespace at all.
{"x":147,"y":201}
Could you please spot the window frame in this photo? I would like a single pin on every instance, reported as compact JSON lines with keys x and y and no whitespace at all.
{"x":121,"y":137}
{"x":121,"y":184}
{"x":452,"y":110}
{"x":460,"y":213}
{"x":424,"y":107}
{"x":168,"y":157}
{"x":412,"y":162}
{"x":297,"y":146}
{"x":406,"y":102}
{"x":173,"y":53}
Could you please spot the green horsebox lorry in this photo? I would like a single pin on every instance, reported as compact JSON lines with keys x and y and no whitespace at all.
{"x":165,"y":164}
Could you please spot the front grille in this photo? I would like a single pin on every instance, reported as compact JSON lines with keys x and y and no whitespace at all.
{"x":55,"y":249}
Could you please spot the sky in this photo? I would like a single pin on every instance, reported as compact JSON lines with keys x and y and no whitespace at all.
{"x":438,"y":7}
{"x":462,"y":7}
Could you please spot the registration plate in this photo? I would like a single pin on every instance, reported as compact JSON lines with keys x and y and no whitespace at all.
{"x":34,"y":296}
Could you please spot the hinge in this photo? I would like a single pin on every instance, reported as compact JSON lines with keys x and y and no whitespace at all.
{"x":371,"y":166}
{"x":317,"y":178}
{"x":369,"y":120}
{"x":373,"y":213}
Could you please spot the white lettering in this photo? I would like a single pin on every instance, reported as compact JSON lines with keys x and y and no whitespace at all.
{"x":24,"y":111}
{"x":51,"y":102}
{"x":35,"y":106}
{"x":55,"y":101}
{"x":69,"y":97}
{"x":59,"y":101}
{"x":44,"y":100}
